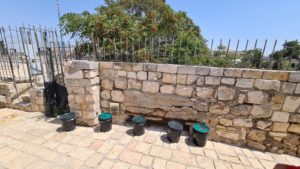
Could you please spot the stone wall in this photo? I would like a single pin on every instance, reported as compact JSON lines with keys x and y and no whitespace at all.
{"x":255,"y":108}
{"x":82,"y":83}
{"x":6,"y":92}
{"x":37,"y":99}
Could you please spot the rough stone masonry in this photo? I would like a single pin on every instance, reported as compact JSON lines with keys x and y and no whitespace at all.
{"x":250,"y":107}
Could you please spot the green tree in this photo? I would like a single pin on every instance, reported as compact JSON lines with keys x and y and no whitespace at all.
{"x":251,"y":58}
{"x":122,"y":23}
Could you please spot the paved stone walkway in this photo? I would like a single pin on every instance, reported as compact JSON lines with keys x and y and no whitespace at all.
{"x":28,"y":140}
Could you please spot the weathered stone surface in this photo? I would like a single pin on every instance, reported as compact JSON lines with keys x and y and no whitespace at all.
{"x":121,"y":82}
{"x":154,"y":75}
{"x":256,"y":97}
{"x":108,"y":73}
{"x":192,"y":79}
{"x":280,"y":116}
{"x":257,"y":135}
{"x":200,"y":81}
{"x":277,"y":134}
{"x":252,"y":73}
{"x":241,"y":98}
{"x":210,"y":80}
{"x":131,"y":75}
{"x":150,"y":67}
{"x":106,"y":65}
{"x":297,"y":90}
{"x":205,"y":92}
{"x":189,"y":70}
{"x":267,"y":84}
{"x":277,"y":101}
{"x":117,"y":96}
{"x":214,"y":71}
{"x":242,"y":122}
{"x":105,"y":94}
{"x":244,"y":83}
{"x":276,"y":75}
{"x":295,"y":118}
{"x":261,"y":112}
{"x":294,"y":77}
{"x":104,"y":103}
{"x":291,"y":104}
{"x":183,"y":90}
{"x":219,"y":108}
{"x":232,"y":72}
{"x":150,"y":86}
{"x":243,"y":110}
{"x":81,"y":82}
{"x":167,"y":89}
{"x":200,"y":106}
{"x":256,"y":145}
{"x":226,"y":122}
{"x":134,"y":84}
{"x":202,"y":70}
{"x":148,"y":100}
{"x":184,"y":113}
{"x":280,"y":127}
{"x":229,"y":81}
{"x":107,"y":84}
{"x":263,"y":125}
{"x":288,"y":87}
{"x":74,"y":75}
{"x":141,"y":75}
{"x":75,"y":65}
{"x":294,"y":128}
{"x":169,"y":78}
{"x":137,"y":67}
{"x":167,"y":68}
{"x":181,"y":79}
{"x":227,"y":133}
{"x":140,"y":110}
{"x":225,"y":93}
{"x":292,"y":140}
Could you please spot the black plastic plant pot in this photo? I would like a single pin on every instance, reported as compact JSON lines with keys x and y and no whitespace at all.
{"x":138,"y":125}
{"x":105,"y":120}
{"x":174,"y":131}
{"x":200,"y":134}
{"x":68,"y":121}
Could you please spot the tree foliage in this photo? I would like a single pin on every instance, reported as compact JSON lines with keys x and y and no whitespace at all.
{"x":131,"y":22}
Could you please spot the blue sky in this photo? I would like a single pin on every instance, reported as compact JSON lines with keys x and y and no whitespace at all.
{"x":235,"y":19}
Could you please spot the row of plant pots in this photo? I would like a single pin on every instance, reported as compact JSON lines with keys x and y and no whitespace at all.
{"x":175,"y":128}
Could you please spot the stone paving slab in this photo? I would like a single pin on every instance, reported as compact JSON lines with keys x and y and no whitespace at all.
{"x":29,"y":141}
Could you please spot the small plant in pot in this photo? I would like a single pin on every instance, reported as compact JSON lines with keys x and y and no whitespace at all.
{"x":200,"y":133}
{"x":105,"y":120}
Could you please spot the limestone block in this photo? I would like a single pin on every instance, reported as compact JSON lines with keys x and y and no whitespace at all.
{"x":35,"y":107}
{"x":263,"y":125}
{"x":276,"y":75}
{"x":226,"y":122}
{"x":105,"y":94}
{"x":277,"y":101}
{"x":257,"y":135}
{"x":108,"y":73}
{"x":107,"y":84}
{"x":229,"y":81}
{"x":167,"y":89}
{"x":245,"y":83}
{"x":225,"y":93}
{"x":181,"y":79}
{"x":232,"y":72}
{"x":150,"y":86}
{"x":294,"y":77}
{"x":121,"y":82}
{"x":294,"y":128}
{"x":242,"y":122}
{"x":74,"y":75}
{"x":169,"y":78}
{"x":280,"y":127}
{"x":106,"y":65}
{"x":150,"y":67}
{"x":89,"y":74}
{"x":241,"y":98}
{"x":256,"y":145}
{"x":288,"y":87}
{"x":297,"y":90}
{"x":134,"y":84}
{"x":291,"y":104}
{"x":183,"y":90}
{"x":92,"y":90}
{"x":215,"y":71}
{"x":202,"y":70}
{"x":277,"y":134}
{"x":253,"y":73}
{"x":200,"y":105}
{"x":205,"y":92}
{"x":193,"y":78}
{"x":165,"y":68}
{"x":137,"y":67}
{"x":242,"y":109}
{"x":256,"y":97}
{"x":229,"y":134}
{"x":267,"y":84}
{"x":189,"y":70}
{"x":280,"y":116}
{"x":117,"y":96}
{"x":81,"y":82}
{"x":74,"y":65}
{"x":104,"y":103}
{"x":295,"y":118}
{"x":141,"y":75}
{"x":200,"y":81}
{"x":122,"y":73}
{"x":219,"y":108}
{"x":261,"y":112}
{"x":184,"y":113}
{"x":131,"y":75}
{"x":90,"y":115}
{"x":210,"y":80}
{"x":153,"y":75}
{"x":79,"y":99}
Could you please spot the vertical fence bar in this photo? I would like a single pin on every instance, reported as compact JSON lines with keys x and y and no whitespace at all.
{"x":263,"y":52}
{"x":26,"y":56}
{"x":14,"y":53}
{"x":255,"y":44}
{"x":24,"y":70}
{"x":4,"y":51}
{"x":39,"y":52}
{"x":236,"y":49}
{"x":220,"y":45}
{"x":2,"y":59}
{"x":228,"y":46}
{"x":172,"y":50}
{"x":247,"y":42}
